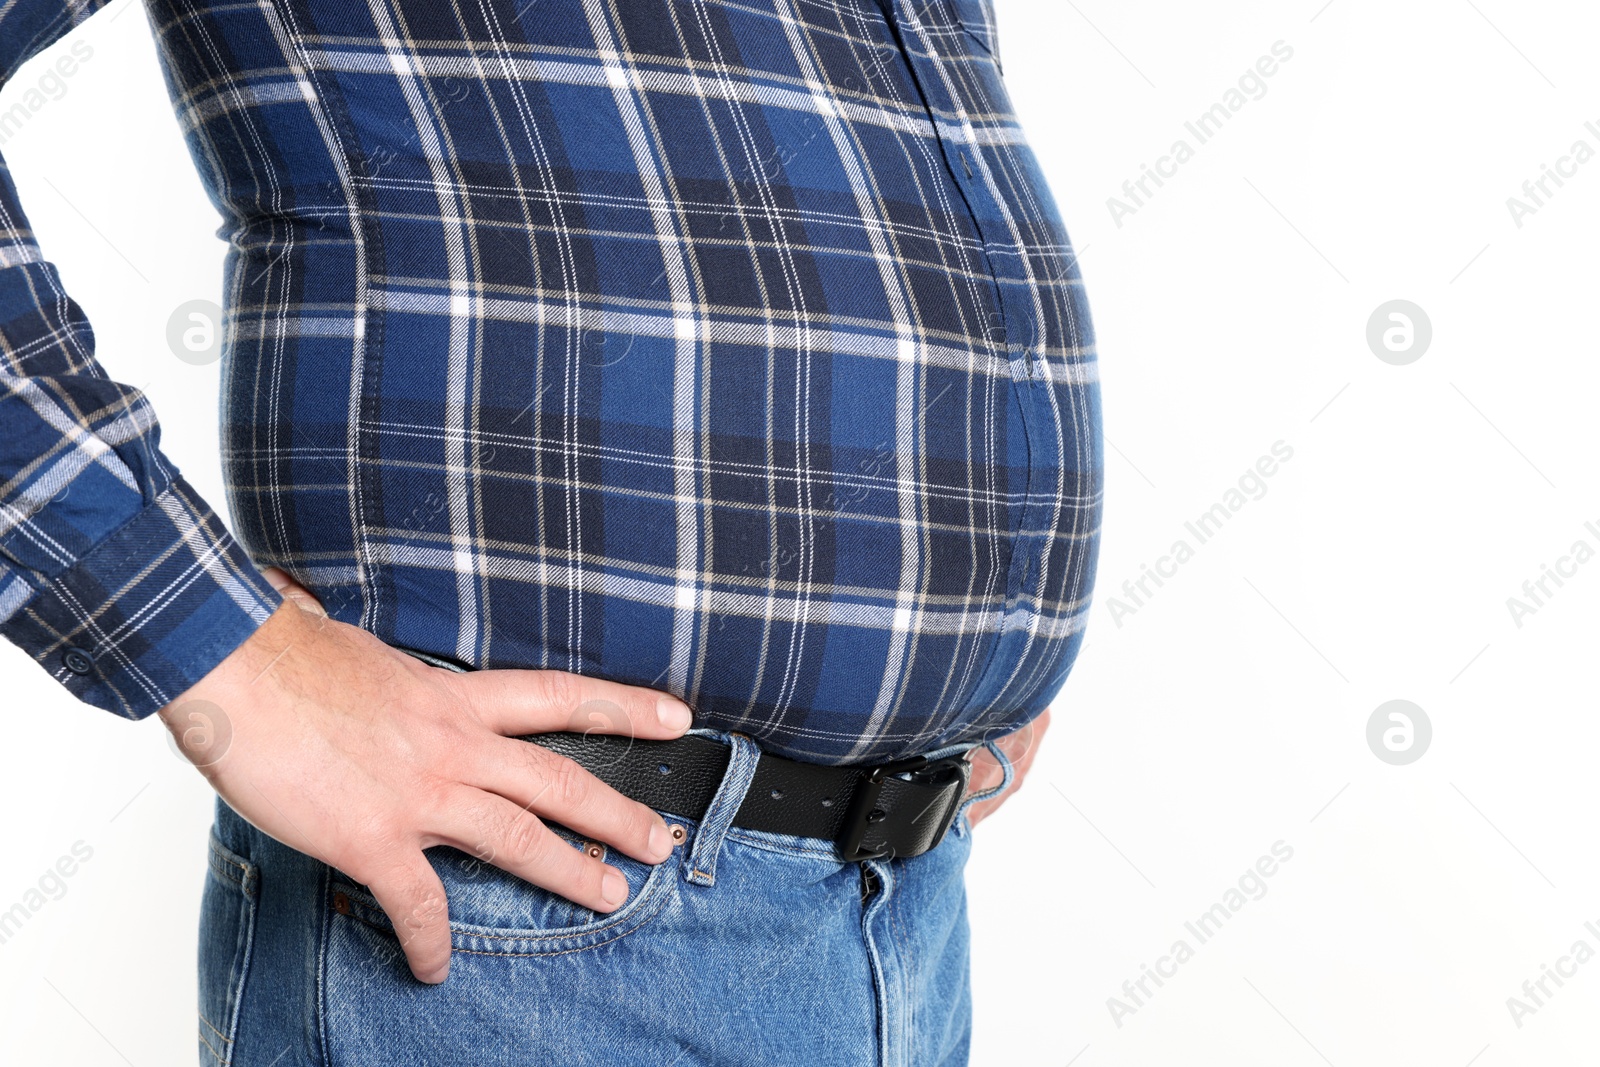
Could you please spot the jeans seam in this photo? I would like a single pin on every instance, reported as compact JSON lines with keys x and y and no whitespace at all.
{"x":236,"y":873}
{"x":876,"y":958}
{"x":904,"y":961}
{"x":324,"y":939}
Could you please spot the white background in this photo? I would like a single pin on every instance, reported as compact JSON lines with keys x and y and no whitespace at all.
{"x":1226,"y":713}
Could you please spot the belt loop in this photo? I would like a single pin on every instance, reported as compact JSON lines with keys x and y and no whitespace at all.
{"x":1008,"y":774}
{"x":702,"y":866}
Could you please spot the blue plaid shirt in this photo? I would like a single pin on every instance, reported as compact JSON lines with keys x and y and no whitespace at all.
{"x":735,"y":349}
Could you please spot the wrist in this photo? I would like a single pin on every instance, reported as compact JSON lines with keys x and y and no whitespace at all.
{"x":245,"y":663}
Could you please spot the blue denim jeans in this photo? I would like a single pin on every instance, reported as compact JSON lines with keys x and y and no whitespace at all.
{"x":742,"y":948}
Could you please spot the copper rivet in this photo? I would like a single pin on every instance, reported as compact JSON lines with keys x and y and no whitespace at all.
{"x":595,"y":851}
{"x":341,"y":904}
{"x":678,"y":835}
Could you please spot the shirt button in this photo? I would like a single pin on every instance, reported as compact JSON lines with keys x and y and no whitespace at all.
{"x":77,"y":661}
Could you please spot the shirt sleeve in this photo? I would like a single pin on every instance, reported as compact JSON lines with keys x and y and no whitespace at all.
{"x":115,"y":576}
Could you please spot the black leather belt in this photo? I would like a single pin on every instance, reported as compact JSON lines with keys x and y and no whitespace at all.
{"x":893,"y":810}
{"x":899,"y":809}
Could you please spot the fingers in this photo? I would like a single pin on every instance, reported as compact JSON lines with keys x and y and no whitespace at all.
{"x":1029,"y":742}
{"x":986,"y":772}
{"x":983,"y":810}
{"x":497,"y":831}
{"x":537,"y":780}
{"x":293,"y":591}
{"x":536,"y":702}
{"x":1021,"y":748}
{"x":411,"y":894}
{"x":1025,"y":746}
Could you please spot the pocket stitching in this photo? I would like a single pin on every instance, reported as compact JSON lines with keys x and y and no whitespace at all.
{"x":234,"y":868}
{"x":232,"y":871}
{"x":220,"y":1058}
{"x":643,"y":919}
{"x":226,"y":1039}
{"x":655,"y":886}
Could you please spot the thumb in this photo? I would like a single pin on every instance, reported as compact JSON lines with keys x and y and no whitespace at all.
{"x":293,"y":591}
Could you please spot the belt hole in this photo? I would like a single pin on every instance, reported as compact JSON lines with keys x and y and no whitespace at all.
{"x":827,"y":802}
{"x":777,"y":794}
{"x":664,"y":768}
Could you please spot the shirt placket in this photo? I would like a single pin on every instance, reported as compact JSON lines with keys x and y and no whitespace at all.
{"x":1018,"y":330}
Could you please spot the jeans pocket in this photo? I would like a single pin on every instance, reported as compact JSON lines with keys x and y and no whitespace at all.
{"x":493,"y":912}
{"x":227,"y":931}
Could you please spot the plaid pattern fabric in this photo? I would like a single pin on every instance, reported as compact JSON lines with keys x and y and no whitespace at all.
{"x":114,"y":575}
{"x":730,"y":347}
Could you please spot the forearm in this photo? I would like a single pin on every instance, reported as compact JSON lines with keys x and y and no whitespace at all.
{"x":114,"y":575}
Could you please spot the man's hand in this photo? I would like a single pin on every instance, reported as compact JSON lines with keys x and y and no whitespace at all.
{"x":362,"y":756}
{"x":1020,"y":747}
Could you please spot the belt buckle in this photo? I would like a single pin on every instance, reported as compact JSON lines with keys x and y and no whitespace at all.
{"x":863,"y":805}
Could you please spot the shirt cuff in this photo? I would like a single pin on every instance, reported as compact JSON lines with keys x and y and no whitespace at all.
{"x":148,"y":612}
